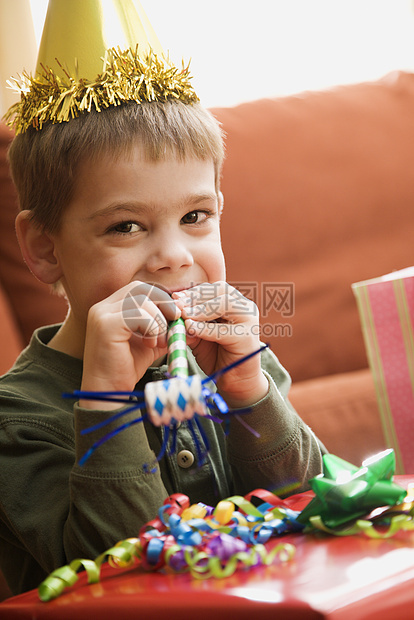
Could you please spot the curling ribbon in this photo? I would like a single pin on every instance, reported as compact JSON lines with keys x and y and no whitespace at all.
{"x":198,"y":539}
{"x":400,"y":522}
{"x":215,"y":542}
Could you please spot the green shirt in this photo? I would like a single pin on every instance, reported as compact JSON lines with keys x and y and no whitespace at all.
{"x":53,"y":510}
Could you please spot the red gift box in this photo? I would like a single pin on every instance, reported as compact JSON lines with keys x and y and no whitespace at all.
{"x":386,"y":308}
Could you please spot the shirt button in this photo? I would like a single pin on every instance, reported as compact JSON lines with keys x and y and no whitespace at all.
{"x":185,"y":459}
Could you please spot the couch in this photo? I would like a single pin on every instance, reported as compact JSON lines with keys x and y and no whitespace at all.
{"x":318,"y":194}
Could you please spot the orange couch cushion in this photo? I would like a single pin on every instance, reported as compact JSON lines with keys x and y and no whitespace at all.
{"x":10,"y":337}
{"x":343,"y":412}
{"x":319,"y":192}
{"x":30,"y":300}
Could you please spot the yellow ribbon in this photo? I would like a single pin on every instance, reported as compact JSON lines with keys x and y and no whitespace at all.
{"x":362,"y":526}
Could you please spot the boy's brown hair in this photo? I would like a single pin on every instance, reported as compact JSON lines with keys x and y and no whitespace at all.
{"x":44,"y":163}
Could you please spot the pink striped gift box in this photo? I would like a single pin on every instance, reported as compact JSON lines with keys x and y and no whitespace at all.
{"x":386,"y":309}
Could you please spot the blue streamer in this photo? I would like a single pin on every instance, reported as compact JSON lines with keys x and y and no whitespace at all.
{"x":136,"y":399}
{"x":98,"y":443}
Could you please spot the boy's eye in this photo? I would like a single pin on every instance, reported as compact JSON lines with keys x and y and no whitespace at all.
{"x":194,"y":217}
{"x":125,"y":228}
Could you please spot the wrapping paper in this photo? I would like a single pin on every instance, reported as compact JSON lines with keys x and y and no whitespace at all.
{"x":386,"y":308}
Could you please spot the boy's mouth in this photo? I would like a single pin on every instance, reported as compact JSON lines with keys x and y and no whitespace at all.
{"x":176,"y":289}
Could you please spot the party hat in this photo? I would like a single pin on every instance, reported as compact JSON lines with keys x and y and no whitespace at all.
{"x":95,"y":54}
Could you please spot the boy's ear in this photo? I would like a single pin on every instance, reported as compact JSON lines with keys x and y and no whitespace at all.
{"x":38,"y":249}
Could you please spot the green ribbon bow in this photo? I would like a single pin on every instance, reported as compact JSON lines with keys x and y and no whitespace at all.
{"x":344,"y":492}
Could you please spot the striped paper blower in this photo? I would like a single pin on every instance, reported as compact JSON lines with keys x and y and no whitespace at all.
{"x":179,"y":398}
{"x":386,"y":309}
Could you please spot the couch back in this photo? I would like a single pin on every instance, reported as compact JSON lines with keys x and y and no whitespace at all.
{"x":318,"y":194}
{"x":25,"y":303}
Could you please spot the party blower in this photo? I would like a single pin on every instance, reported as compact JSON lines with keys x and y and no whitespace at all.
{"x":177,"y":399}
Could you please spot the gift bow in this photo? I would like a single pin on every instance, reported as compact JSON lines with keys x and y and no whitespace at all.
{"x":344,"y":492}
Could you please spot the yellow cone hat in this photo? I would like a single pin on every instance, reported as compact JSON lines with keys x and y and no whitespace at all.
{"x":79,"y":32}
{"x":94,"y":54}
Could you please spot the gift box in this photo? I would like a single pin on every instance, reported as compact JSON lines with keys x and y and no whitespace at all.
{"x":386,"y":309}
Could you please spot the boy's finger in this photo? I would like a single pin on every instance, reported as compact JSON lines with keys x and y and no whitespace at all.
{"x":223,"y":307}
{"x":142,"y":293}
{"x":202,"y":292}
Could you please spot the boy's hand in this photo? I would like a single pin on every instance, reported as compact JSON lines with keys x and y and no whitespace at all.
{"x":223,"y":326}
{"x":125,"y":334}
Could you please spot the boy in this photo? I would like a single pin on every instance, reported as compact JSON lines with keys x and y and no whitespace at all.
{"x":112,"y":201}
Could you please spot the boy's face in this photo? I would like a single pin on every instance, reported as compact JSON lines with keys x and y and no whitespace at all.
{"x":132,"y":219}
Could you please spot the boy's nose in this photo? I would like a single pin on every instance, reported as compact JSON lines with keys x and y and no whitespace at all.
{"x":169,"y":252}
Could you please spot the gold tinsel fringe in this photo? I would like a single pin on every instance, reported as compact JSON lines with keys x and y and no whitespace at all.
{"x":126,"y":76}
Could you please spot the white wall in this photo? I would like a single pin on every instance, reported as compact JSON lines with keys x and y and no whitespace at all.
{"x":17,"y":45}
{"x":244,"y":49}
